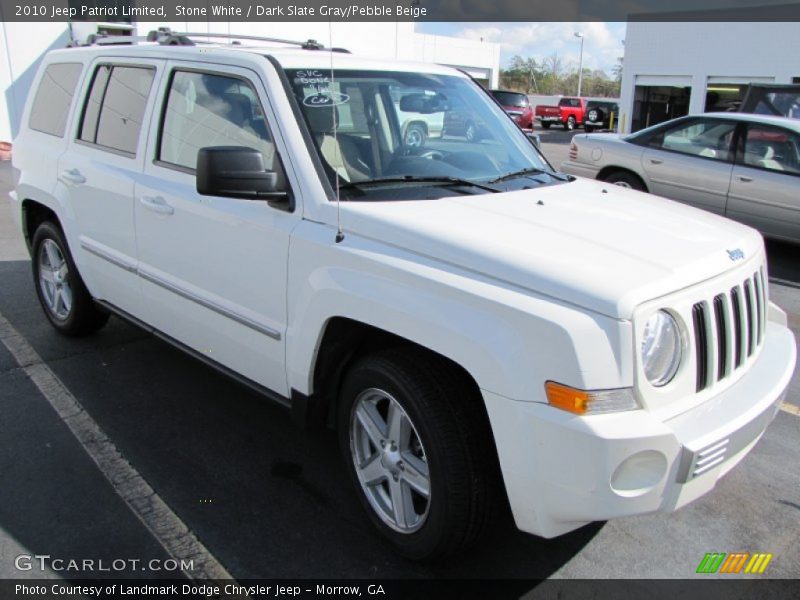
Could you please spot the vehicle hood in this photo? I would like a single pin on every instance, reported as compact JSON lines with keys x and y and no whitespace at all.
{"x":599,"y":246}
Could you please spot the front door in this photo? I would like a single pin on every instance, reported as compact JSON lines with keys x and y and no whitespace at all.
{"x":691,"y":162}
{"x":213,"y":270}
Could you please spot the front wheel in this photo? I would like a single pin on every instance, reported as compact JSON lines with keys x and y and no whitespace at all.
{"x":418,"y":452}
{"x":415,"y":136}
{"x":62,"y":294}
{"x":570,"y":124}
{"x":625,"y":179}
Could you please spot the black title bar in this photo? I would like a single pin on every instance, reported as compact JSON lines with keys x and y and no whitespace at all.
{"x":156,"y":11}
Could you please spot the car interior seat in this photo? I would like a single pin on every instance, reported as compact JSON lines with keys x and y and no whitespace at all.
{"x":769,"y":161}
{"x":340,"y":152}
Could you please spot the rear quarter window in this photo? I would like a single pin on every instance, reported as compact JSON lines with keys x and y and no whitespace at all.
{"x":53,"y":98}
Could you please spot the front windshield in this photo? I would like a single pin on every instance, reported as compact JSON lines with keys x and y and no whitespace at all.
{"x":411,"y":130}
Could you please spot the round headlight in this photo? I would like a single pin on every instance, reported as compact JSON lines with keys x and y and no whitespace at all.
{"x":661,"y":348}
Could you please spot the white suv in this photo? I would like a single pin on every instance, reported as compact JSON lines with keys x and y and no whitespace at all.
{"x":474,"y":324}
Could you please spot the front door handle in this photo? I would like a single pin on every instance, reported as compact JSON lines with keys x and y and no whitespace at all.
{"x":72,"y":176}
{"x":156,"y":204}
{"x":745,"y":178}
{"x":656,"y":161}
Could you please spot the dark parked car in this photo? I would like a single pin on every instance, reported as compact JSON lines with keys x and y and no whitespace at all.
{"x":598,"y":115}
{"x":462,"y":122}
{"x":516,"y":105}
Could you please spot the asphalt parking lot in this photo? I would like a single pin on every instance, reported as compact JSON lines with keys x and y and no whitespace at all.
{"x":268,"y":500}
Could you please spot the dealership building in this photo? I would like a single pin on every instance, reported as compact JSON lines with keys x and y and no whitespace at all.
{"x":673,"y":69}
{"x":24,"y":44}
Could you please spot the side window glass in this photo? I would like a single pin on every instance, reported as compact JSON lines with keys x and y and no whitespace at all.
{"x":91,"y":111}
{"x":709,"y":139}
{"x":123,"y":108}
{"x":54,"y":98}
{"x":204,"y":109}
{"x":114,"y":109}
{"x":773,"y":149}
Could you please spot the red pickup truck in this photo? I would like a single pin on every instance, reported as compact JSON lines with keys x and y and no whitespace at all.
{"x":569,"y":113}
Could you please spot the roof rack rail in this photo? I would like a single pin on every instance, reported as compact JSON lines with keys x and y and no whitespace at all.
{"x":306,"y":45}
{"x":166,"y":37}
{"x":162,"y":35}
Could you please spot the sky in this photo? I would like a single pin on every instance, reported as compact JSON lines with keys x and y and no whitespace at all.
{"x":602,"y":41}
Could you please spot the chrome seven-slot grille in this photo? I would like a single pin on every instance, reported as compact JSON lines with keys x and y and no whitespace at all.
{"x":729,"y":328}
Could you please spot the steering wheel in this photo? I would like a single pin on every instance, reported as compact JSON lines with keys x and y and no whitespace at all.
{"x":419,"y":152}
{"x":432,"y":155}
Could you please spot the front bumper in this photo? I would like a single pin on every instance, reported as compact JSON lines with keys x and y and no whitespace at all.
{"x":562,"y":471}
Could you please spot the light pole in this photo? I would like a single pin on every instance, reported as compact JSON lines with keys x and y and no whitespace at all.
{"x":580,"y":63}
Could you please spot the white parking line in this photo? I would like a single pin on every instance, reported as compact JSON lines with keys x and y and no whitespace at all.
{"x":792,"y":409}
{"x":172,"y":533}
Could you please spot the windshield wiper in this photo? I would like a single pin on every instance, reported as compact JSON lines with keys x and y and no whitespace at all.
{"x":528,"y":171}
{"x":443,"y":179}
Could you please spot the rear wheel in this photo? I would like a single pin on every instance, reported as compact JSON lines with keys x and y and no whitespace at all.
{"x":62,"y":294}
{"x":625,"y":179}
{"x":418,"y":451}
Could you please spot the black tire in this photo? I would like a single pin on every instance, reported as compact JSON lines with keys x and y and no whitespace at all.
{"x":447,"y":417}
{"x":625,"y":179}
{"x":596,"y":115}
{"x":83,"y":316}
{"x":546,"y":125}
{"x":570,"y":124}
{"x":415,"y":136}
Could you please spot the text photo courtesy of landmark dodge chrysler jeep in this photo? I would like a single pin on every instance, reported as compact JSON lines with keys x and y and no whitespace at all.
{"x":476,"y":326}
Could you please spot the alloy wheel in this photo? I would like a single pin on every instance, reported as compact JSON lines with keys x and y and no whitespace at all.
{"x":54,"y":280}
{"x":390,"y":461}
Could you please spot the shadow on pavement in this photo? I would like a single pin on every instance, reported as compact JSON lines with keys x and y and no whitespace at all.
{"x":267,"y":499}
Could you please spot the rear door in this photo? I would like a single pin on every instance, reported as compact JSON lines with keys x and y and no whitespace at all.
{"x":765,"y":187}
{"x":214,"y":269}
{"x":692,"y":162}
{"x":104,"y":159}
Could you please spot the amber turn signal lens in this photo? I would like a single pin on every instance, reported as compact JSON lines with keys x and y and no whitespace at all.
{"x":567,"y":398}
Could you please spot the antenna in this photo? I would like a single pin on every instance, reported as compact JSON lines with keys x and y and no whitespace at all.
{"x":332,"y":91}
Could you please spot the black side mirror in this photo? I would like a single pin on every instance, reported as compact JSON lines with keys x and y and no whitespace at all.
{"x":237,"y":172}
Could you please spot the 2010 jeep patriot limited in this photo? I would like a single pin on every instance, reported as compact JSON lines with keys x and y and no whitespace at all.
{"x":474,"y":324}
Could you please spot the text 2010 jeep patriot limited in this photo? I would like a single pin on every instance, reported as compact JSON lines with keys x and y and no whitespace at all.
{"x":475,"y":325}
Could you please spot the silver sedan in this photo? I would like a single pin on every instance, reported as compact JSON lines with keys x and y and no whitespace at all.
{"x":743,"y":166}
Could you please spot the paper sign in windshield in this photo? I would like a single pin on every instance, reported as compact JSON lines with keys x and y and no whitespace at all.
{"x":325,"y":99}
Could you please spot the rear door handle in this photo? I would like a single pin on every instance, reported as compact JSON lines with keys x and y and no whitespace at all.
{"x":72,"y":176}
{"x":156,"y":204}
{"x":656,"y":161}
{"x":745,"y":178}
